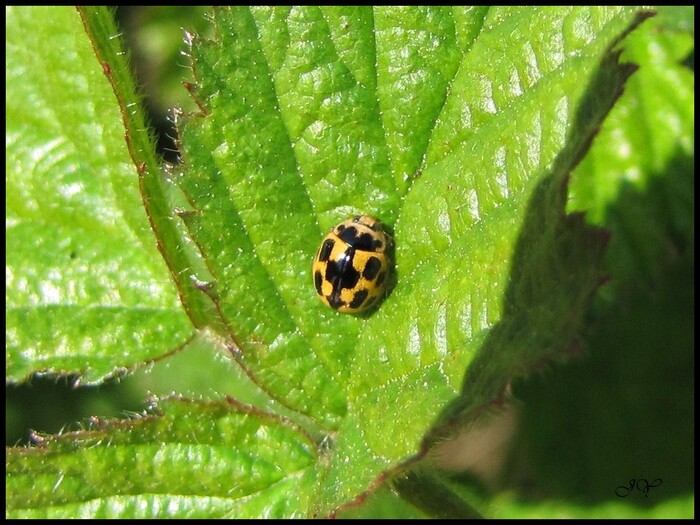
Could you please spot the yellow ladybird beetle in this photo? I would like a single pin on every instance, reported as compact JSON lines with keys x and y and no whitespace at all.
{"x":352,"y":265}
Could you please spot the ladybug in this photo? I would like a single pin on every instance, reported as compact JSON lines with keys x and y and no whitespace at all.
{"x":352,"y":265}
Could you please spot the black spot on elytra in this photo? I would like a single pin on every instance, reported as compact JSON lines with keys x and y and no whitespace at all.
{"x":358,"y":299}
{"x":341,"y":273}
{"x":347,"y":234}
{"x":318,"y":281}
{"x":335,"y":301}
{"x":380,"y":278}
{"x":371,"y":268}
{"x":325,"y":252}
{"x":359,"y":241}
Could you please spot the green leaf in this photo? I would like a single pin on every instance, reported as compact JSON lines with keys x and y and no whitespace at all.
{"x":627,"y":409}
{"x":677,"y":18}
{"x":195,"y":460}
{"x":492,"y":273}
{"x":87,"y":290}
{"x":297,"y":130}
{"x":653,"y":123}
